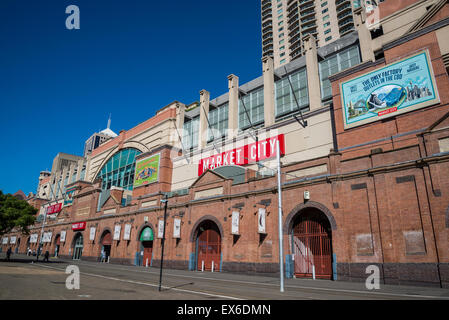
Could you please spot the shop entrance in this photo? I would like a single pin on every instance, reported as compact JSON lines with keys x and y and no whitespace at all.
{"x":106,"y":244}
{"x":57,"y":245}
{"x":78,"y":247}
{"x":312,"y":245}
{"x":146,"y":246}
{"x":208,"y":247}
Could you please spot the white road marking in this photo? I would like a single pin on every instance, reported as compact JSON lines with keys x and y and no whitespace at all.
{"x":150,"y":285}
{"x":288,"y":286}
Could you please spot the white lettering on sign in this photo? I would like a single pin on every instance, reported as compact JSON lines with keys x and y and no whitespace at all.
{"x":247,"y":154}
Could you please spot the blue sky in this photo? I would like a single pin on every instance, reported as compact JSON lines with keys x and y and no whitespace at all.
{"x":129,"y":58}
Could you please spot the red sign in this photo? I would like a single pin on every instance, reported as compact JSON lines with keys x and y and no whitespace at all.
{"x":79,"y":226}
{"x":391,"y":110}
{"x":250,"y":153}
{"x":56,"y":208}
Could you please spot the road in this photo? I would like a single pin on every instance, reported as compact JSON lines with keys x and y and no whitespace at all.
{"x":22,"y":279}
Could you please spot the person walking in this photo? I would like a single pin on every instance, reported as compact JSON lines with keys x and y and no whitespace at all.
{"x":8,"y":254}
{"x":47,"y":254}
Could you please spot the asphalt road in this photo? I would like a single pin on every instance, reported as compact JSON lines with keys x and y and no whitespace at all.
{"x":21,"y":279}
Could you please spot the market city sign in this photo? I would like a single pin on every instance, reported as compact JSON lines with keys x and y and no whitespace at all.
{"x":250,"y":153}
{"x":54,"y":208}
{"x":79,"y":226}
{"x":400,"y":87}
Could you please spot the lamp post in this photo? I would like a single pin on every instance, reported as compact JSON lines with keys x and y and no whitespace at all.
{"x":165,"y":201}
{"x":281,"y":246}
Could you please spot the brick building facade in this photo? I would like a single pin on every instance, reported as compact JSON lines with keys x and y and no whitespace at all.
{"x":377,"y":193}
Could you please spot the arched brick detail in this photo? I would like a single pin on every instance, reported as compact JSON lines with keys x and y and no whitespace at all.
{"x":288,"y":224}
{"x":143,"y":226}
{"x":194,"y":232}
{"x":106,"y":229}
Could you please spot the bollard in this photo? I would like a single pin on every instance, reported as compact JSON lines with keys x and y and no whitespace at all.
{"x":147,"y":263}
{"x":108,"y":259}
{"x":212,"y":266}
{"x":313,"y":272}
{"x":202,"y":266}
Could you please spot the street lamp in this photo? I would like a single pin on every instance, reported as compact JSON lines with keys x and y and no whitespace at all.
{"x":165,"y":201}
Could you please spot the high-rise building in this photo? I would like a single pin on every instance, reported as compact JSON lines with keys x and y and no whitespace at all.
{"x":285,"y":23}
{"x":99,"y":138}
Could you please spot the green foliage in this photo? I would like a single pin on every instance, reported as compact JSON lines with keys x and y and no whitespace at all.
{"x":15,"y":213}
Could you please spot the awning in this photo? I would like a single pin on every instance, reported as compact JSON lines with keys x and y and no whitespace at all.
{"x":147,"y":234}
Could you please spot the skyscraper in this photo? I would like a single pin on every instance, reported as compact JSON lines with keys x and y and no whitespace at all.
{"x":285,"y":23}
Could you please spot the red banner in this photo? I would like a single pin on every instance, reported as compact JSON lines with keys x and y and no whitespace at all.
{"x":56,"y":208}
{"x":250,"y":153}
{"x":79,"y":226}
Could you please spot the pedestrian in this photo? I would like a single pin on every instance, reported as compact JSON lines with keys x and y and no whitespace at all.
{"x":103,"y":256}
{"x":47,"y":254}
{"x":8,"y":254}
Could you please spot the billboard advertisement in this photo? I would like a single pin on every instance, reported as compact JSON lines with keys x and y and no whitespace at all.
{"x":68,"y":196}
{"x":147,"y":171}
{"x":400,"y":87}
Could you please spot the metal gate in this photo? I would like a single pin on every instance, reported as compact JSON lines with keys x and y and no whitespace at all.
{"x":312,"y":246}
{"x":209,"y":248}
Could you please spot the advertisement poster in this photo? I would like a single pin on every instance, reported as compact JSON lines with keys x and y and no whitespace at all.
{"x":117,"y":230}
{"x":47,"y":237}
{"x":92,"y":234}
{"x":68,"y":197}
{"x":63,"y":233}
{"x":261,"y":221}
{"x":160,"y":229}
{"x":235,"y":222}
{"x":147,"y":171}
{"x":177,"y":228}
{"x":403,"y":86}
{"x":127,"y":233}
{"x":13,"y":240}
{"x":33,"y":238}
{"x":5,"y":240}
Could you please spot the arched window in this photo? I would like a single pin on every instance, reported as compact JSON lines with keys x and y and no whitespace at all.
{"x":119,"y":170}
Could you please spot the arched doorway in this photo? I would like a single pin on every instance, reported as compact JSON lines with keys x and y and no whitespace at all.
{"x":57,"y":245}
{"x":312,"y":244}
{"x":146,"y":246}
{"x":106,"y":245}
{"x":78,"y":247}
{"x":208,"y":245}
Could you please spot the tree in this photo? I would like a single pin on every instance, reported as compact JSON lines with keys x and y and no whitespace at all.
{"x":15,"y":213}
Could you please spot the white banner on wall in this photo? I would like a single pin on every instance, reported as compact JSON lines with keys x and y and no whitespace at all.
{"x":261,"y":221}
{"x":117,"y":230}
{"x":13,"y":240}
{"x":235,"y":222}
{"x":177,"y":228}
{"x":5,"y":240}
{"x":33,"y":238}
{"x":63,"y":233}
{"x":127,"y":233}
{"x":47,"y":237}
{"x":92,"y":233}
{"x":160,"y":229}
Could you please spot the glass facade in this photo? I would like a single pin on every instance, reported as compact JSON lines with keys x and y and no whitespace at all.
{"x":191,"y":133}
{"x":285,"y":101}
{"x":119,"y":170}
{"x":334,"y":64}
{"x":254,"y":106}
{"x":218,"y":119}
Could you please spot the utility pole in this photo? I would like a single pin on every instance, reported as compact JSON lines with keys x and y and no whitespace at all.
{"x":42,"y":236}
{"x":163,"y":240}
{"x":281,"y":246}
